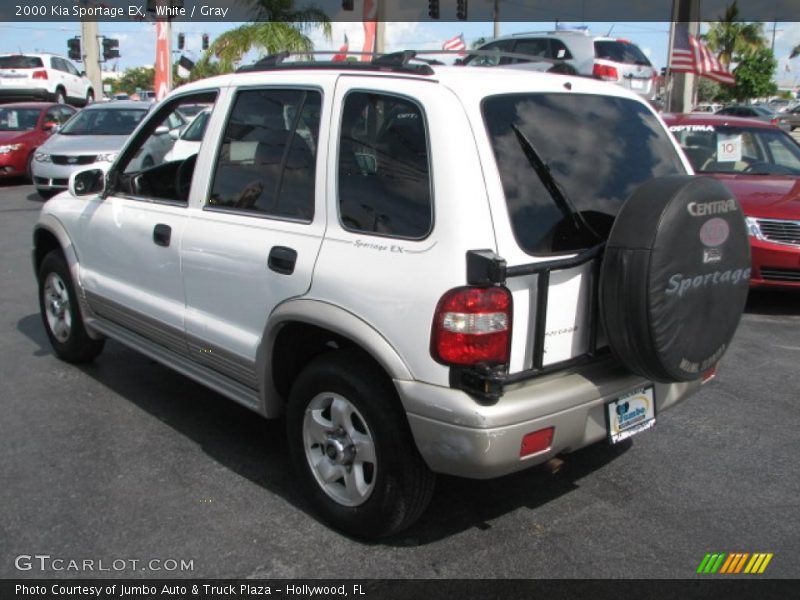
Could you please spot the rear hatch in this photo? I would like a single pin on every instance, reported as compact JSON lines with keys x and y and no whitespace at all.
{"x":566,"y":164}
{"x":624,"y":63}
{"x":21,"y":71}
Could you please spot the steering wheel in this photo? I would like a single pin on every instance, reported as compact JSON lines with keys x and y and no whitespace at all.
{"x":183,"y":177}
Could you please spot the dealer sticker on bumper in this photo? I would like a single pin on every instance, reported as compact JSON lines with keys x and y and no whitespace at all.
{"x":630,"y":414}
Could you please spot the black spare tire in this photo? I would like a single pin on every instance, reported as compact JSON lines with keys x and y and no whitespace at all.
{"x":675,"y":277}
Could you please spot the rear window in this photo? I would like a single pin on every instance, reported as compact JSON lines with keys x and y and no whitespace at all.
{"x":20,"y":62}
{"x":621,"y":52}
{"x":597,"y":148}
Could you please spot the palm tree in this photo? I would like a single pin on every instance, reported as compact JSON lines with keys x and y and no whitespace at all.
{"x":277,"y":27}
{"x":730,"y":38}
{"x":795,"y":51}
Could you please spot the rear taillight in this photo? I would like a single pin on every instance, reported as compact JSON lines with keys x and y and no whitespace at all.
{"x":39,"y":75}
{"x":605,"y":72}
{"x":472,"y":325}
{"x":774,"y":121}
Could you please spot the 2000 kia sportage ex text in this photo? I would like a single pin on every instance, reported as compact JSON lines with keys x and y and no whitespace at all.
{"x":426,"y":269}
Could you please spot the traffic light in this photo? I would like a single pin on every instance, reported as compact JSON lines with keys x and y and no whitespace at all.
{"x":348,"y":5}
{"x":74,"y":46}
{"x":461,"y":10}
{"x":110,"y":48}
{"x":181,"y":41}
{"x":205,"y":41}
{"x":433,"y":9}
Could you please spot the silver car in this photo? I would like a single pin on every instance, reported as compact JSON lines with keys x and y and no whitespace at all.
{"x":609,"y":59}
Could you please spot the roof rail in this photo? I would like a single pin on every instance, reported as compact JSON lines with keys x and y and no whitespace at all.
{"x":399,"y":62}
{"x":554,"y":32}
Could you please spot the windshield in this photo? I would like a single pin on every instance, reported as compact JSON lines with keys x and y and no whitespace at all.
{"x":621,"y":52}
{"x":194,"y":132}
{"x":598,"y":149}
{"x":727,"y":149}
{"x":20,"y":62}
{"x":104,"y":121}
{"x":18,"y":119}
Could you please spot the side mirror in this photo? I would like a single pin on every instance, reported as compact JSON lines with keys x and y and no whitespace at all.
{"x":161,"y":130}
{"x":87,"y":183}
{"x":50,"y":126}
{"x":175,"y":133}
{"x":83,"y":73}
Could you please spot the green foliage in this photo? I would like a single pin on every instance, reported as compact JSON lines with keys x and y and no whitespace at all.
{"x":277,"y":27}
{"x":707,"y":90}
{"x":730,"y":39}
{"x":753,"y":77}
{"x":140,"y":78}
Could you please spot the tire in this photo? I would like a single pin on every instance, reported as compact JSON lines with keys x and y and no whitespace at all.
{"x":60,"y":96}
{"x":345,"y":421}
{"x":29,"y":168}
{"x":89,"y":98}
{"x":674,"y":278}
{"x":46,"y":194}
{"x":58,"y":305}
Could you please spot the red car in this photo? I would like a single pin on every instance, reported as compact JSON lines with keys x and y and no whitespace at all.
{"x":760,"y":163}
{"x":23,"y":128}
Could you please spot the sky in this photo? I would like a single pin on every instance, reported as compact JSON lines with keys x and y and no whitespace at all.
{"x":137,"y":40}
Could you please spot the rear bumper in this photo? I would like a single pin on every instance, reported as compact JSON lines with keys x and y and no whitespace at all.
{"x":458,"y":436}
{"x":21,"y":94}
{"x":774,"y":265}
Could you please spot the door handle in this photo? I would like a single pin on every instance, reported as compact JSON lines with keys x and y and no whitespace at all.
{"x":282,"y":260}
{"x":161,"y":234}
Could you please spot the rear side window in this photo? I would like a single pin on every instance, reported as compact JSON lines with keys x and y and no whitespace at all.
{"x":267,"y":162}
{"x":20,"y":62}
{"x":384,"y":176}
{"x":597,"y":148}
{"x":621,"y":52}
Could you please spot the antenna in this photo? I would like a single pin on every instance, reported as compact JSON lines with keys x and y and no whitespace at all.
{"x":610,"y":30}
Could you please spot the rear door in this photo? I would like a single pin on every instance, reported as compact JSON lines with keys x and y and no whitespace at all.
{"x":254,"y":239}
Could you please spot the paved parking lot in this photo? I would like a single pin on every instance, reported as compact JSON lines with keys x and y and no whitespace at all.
{"x":126,"y":460}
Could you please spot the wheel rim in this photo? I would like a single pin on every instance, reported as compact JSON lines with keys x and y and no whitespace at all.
{"x":56,"y":307}
{"x":339,"y":449}
{"x":60,"y":98}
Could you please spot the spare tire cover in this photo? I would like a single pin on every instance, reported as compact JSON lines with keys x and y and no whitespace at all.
{"x":675,"y":277}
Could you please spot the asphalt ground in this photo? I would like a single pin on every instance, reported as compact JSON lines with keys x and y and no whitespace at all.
{"x":126,"y":460}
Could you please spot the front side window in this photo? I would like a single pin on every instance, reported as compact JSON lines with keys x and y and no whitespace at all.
{"x":384,"y":173}
{"x":267,"y":161}
{"x":158,"y":165}
{"x":597,"y":165}
{"x":490,"y":61}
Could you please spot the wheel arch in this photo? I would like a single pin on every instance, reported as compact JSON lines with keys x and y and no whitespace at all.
{"x":299,"y":330}
{"x":48,"y":235}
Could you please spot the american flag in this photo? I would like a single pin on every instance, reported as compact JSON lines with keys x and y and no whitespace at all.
{"x":456,"y":43}
{"x":691,"y":55}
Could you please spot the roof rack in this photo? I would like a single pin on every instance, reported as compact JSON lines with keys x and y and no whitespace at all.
{"x":576,"y":31}
{"x":396,"y":62}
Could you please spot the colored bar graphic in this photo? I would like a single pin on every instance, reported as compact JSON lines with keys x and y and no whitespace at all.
{"x":734,"y":563}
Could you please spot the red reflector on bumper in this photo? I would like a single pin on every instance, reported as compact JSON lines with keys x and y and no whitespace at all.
{"x":536,"y":442}
{"x":710,"y":374}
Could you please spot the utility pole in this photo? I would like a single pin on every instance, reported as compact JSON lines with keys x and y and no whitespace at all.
{"x":90,"y":53}
{"x":682,"y":85}
{"x":380,"y":27}
{"x":496,"y":18}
